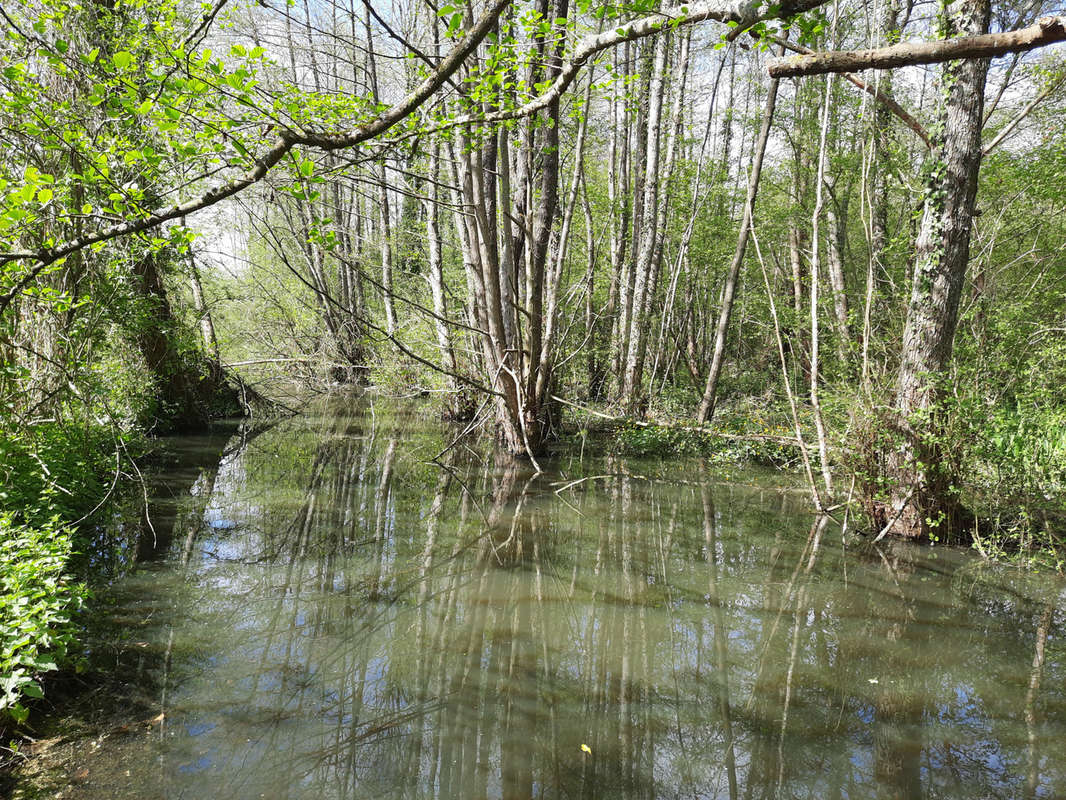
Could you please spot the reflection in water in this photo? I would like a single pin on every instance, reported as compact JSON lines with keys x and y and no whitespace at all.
{"x":336,"y":618}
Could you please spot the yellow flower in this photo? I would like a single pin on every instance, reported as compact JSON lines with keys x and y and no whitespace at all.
{"x":586,"y":749}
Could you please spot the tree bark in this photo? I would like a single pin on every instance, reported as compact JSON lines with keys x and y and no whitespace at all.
{"x":923,"y":502}
{"x":642,"y":266}
{"x":1047,"y":30}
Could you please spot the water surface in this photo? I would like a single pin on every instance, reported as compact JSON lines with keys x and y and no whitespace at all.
{"x":322,"y":613}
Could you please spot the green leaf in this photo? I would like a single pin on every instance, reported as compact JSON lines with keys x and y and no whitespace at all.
{"x":32,"y":689}
{"x":44,"y":196}
{"x":122,"y":59}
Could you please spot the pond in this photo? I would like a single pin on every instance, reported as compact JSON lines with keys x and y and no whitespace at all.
{"x":321,"y":611}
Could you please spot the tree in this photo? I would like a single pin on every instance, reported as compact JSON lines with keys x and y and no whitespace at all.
{"x":923,"y":498}
{"x":495,"y":102}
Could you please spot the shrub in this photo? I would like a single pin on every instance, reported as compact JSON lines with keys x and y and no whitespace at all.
{"x":53,"y":469}
{"x":37,"y":607}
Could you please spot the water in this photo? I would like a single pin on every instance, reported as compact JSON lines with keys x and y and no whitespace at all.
{"x":320,"y":613}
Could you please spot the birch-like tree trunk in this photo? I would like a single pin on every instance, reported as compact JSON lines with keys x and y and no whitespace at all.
{"x":642,"y":267}
{"x":383,"y":189}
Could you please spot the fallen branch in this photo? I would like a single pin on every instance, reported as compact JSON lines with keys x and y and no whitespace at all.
{"x":706,"y":430}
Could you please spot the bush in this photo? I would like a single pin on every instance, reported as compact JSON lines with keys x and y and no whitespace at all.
{"x":752,"y":441}
{"x":52,"y":469}
{"x":1021,"y":451}
{"x":50,"y":475}
{"x":37,"y":607}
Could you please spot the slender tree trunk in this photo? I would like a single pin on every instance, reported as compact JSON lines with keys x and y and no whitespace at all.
{"x":836,"y":236}
{"x":383,"y":190}
{"x":592,"y":319}
{"x":656,"y":343}
{"x":878,"y":188}
{"x":632,"y":388}
{"x":558,"y":260}
{"x":203,"y":314}
{"x":637,"y":138}
{"x":618,"y":205}
{"x":815,"y":373}
{"x":435,"y":276}
{"x":706,"y":409}
{"x":697,"y":199}
{"x":543,"y":309}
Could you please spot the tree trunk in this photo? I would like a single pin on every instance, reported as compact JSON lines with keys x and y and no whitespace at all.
{"x":190,"y":394}
{"x":923,"y":501}
{"x":383,"y":192}
{"x":706,"y":409}
{"x":836,"y":217}
{"x":632,"y":389}
{"x":618,"y":209}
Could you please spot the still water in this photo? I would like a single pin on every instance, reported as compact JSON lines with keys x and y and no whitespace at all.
{"x":320,"y":612}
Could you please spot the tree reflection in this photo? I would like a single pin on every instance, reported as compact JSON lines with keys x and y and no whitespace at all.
{"x":378,"y":626}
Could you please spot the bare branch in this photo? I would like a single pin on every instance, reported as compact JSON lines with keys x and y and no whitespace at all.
{"x":874,"y":92}
{"x":1047,"y":30}
{"x":743,"y":13}
{"x":1003,"y":134}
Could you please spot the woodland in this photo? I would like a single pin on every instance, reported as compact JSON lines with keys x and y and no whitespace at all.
{"x":822,"y":234}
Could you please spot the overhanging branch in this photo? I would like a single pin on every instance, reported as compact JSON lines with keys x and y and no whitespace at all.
{"x":873,"y":91}
{"x":285,"y":142}
{"x":1047,"y":30}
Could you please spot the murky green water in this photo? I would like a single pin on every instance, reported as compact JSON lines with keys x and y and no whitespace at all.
{"x":326,"y":615}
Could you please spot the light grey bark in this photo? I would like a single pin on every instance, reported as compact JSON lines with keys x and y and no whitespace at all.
{"x":979,"y":46}
{"x":618,"y":204}
{"x":383,"y":190}
{"x":642,"y":266}
{"x":656,"y":344}
{"x":922,"y":499}
{"x":836,"y":236}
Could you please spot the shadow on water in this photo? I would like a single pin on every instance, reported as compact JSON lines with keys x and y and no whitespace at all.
{"x":322,"y":613}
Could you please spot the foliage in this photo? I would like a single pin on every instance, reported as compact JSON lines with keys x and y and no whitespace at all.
{"x":51,"y":475}
{"x":38,"y":602}
{"x":734,"y":439}
{"x":55,"y":471}
{"x":1019,"y":451}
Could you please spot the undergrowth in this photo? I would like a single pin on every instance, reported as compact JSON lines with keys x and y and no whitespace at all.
{"x":38,"y":602}
{"x":736,"y":438}
{"x":52,"y":476}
